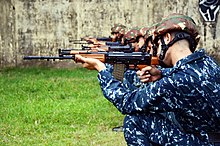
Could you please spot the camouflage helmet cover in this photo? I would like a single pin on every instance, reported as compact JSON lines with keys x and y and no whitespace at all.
{"x":143,"y":31}
{"x":132,"y":34}
{"x":177,"y":22}
{"x":149,"y":32}
{"x":118,"y":28}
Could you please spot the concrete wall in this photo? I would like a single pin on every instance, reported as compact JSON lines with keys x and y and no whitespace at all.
{"x":8,"y":50}
{"x":40,"y":27}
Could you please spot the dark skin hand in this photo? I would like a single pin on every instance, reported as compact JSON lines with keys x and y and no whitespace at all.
{"x":149,"y":74}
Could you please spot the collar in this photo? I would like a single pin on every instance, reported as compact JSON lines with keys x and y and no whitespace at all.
{"x":191,"y":58}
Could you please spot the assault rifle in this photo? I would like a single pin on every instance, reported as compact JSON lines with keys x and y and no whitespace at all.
{"x":126,"y":49}
{"x":137,"y":59}
{"x":79,"y":42}
{"x":120,"y":60}
{"x":108,"y":48}
{"x":104,"y":39}
{"x":86,"y":40}
{"x":113,"y":43}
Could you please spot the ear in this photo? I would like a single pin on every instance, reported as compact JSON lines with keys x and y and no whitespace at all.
{"x":168,"y":38}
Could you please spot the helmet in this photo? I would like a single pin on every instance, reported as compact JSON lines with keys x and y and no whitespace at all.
{"x":149,"y":32}
{"x":143,"y":31}
{"x":175,"y":22}
{"x":118,"y":28}
{"x":184,"y":27}
{"x":132,"y":34}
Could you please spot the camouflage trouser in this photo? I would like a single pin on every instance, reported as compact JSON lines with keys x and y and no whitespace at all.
{"x":155,"y":129}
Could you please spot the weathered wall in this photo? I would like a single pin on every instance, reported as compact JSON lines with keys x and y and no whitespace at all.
{"x":40,"y":27}
{"x":7,"y":34}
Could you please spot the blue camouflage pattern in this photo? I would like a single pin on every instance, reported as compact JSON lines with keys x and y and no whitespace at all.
{"x":190,"y":90}
{"x":130,"y":79}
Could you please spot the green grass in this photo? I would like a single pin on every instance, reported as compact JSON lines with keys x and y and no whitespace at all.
{"x":41,"y":106}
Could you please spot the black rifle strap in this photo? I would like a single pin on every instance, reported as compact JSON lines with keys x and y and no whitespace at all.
{"x":118,"y":71}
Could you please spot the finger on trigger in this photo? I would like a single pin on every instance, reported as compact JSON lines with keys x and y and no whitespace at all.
{"x":147,"y":68}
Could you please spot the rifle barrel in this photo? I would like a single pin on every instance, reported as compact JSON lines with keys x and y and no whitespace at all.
{"x":105,"y":39}
{"x":48,"y":57}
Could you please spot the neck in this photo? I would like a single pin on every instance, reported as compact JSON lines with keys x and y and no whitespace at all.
{"x":179,"y":51}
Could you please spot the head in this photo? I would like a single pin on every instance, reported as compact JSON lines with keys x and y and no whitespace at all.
{"x":131,"y":37}
{"x":118,"y":31}
{"x":141,"y":39}
{"x":172,"y":30}
{"x":146,"y":39}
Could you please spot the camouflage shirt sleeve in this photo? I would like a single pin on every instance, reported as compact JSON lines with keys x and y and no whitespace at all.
{"x":131,"y":80}
{"x":109,"y":67}
{"x":165,"y":71}
{"x":139,"y":100}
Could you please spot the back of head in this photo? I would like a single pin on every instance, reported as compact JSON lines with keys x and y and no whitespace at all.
{"x":149,"y":32}
{"x":143,"y":31}
{"x":132,"y":34}
{"x":118,"y":28}
{"x":181,"y":23}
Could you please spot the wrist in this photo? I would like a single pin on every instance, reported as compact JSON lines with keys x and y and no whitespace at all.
{"x":100,"y":66}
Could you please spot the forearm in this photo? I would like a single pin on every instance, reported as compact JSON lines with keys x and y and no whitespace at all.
{"x":100,"y":66}
{"x":131,"y":80}
{"x":125,"y":101}
{"x":165,"y":71}
{"x":109,"y":67}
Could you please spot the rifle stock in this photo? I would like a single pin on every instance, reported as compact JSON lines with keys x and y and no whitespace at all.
{"x":154,"y":60}
{"x":100,"y":57}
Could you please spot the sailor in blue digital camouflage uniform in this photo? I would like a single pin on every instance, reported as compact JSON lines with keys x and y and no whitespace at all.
{"x":140,"y":38}
{"x":131,"y":80}
{"x":136,"y":37}
{"x":190,"y":89}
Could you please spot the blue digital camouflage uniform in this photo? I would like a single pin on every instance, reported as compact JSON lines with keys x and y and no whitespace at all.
{"x":190,"y":90}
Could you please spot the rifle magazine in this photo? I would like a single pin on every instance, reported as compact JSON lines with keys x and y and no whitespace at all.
{"x":118,"y":71}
